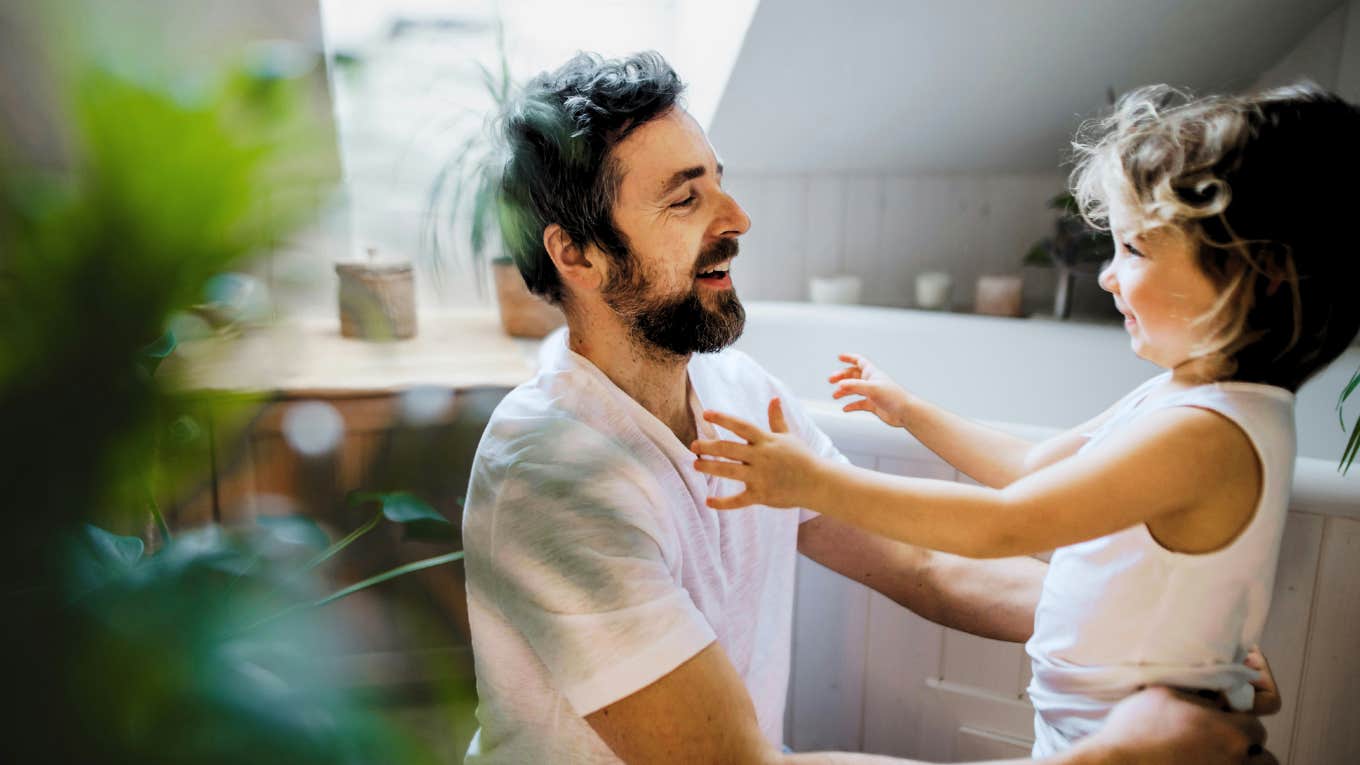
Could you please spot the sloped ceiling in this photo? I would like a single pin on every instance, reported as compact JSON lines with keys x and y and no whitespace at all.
{"x":973,"y":86}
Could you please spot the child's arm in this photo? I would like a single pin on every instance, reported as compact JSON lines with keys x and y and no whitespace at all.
{"x":991,"y":457}
{"x":1154,"y":468}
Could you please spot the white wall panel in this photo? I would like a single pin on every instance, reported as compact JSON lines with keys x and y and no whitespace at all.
{"x":887,"y":229}
{"x":1326,"y":730}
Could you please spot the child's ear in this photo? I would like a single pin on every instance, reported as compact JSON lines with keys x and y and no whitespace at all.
{"x":580,"y":267}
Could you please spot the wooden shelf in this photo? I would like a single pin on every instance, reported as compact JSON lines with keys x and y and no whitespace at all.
{"x":308,"y":357}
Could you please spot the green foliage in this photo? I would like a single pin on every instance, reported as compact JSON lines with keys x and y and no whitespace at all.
{"x":163,"y":187}
{"x":1353,"y":442}
{"x":112,"y":654}
{"x":175,"y":659}
{"x":465,"y":188}
{"x":1074,"y":244}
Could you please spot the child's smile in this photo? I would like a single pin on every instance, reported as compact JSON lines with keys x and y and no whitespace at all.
{"x":1158,"y":286}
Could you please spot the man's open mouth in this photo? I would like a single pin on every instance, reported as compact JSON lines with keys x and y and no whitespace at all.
{"x":717,"y":274}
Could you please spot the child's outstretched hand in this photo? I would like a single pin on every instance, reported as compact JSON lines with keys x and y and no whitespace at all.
{"x":777,"y":468}
{"x":881,"y":395}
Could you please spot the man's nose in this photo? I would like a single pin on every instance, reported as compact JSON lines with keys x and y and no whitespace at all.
{"x":733,"y":220}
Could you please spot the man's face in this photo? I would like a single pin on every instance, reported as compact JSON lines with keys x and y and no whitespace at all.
{"x":673,"y":288}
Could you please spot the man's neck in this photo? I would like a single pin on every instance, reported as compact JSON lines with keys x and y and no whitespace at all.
{"x":655,"y":379}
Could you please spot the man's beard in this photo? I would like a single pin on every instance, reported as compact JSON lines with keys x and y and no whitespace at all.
{"x":679,"y":325}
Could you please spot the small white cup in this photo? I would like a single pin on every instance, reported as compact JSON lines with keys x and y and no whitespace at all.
{"x":933,"y":289}
{"x":842,"y":289}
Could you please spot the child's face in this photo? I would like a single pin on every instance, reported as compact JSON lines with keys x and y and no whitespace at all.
{"x":1157,"y":284}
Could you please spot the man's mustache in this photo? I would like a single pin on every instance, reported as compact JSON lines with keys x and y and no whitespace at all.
{"x":723,"y":249}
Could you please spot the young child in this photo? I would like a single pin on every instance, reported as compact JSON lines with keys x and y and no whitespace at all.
{"x":1235,"y":269}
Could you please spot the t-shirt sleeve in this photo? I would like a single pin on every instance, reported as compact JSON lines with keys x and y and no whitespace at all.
{"x":570,"y":544}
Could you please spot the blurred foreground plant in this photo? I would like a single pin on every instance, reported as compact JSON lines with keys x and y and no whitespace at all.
{"x":198,"y":653}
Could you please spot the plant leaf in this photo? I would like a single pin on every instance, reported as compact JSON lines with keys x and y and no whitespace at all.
{"x":1040,"y":254}
{"x":361,"y":497}
{"x":111,"y":550}
{"x":153,"y":354}
{"x":295,"y":529}
{"x":404,"y":507}
{"x":1345,"y":394}
{"x":391,"y":574}
{"x":489,"y":80}
{"x":1352,"y":446}
{"x":482,"y":206}
{"x":349,"y":539}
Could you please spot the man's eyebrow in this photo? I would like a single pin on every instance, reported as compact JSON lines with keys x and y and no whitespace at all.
{"x":688,"y":174}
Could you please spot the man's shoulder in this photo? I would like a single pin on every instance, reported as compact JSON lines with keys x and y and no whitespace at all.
{"x":559,"y":422}
{"x":541,"y":416}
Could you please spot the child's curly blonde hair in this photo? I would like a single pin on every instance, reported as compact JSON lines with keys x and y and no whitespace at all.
{"x":1266,"y":186}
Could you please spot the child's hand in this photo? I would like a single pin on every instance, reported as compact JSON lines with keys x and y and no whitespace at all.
{"x":777,"y":468}
{"x":882,"y":396}
{"x":1267,"y":699}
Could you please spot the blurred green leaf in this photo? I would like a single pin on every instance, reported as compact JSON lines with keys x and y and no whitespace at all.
{"x":155,"y":353}
{"x":356,"y":498}
{"x":295,"y":529}
{"x":404,"y":507}
{"x":399,"y":506}
{"x":111,"y":550}
{"x":392,"y":574}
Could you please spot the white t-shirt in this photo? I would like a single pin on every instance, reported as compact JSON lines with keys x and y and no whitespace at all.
{"x":594,"y":567}
{"x":1122,"y":611}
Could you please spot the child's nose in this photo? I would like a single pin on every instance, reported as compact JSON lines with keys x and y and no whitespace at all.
{"x":1107,"y":281}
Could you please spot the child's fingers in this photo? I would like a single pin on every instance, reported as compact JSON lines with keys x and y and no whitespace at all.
{"x":853,"y":388}
{"x":859,"y":405}
{"x":730,"y":450}
{"x":733,"y":470}
{"x":731,"y":503}
{"x":851,"y":373}
{"x":777,"y":422}
{"x":741,"y":427}
{"x":1267,"y":699}
{"x":852,"y":358}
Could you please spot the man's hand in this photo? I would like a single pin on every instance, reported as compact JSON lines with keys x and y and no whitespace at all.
{"x":881,"y":395}
{"x":778,"y":469}
{"x":1160,"y":726}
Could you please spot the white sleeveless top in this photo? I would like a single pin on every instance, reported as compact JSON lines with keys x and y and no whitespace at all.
{"x":1122,"y":611}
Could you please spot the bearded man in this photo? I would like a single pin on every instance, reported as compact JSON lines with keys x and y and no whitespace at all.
{"x":615,"y":617}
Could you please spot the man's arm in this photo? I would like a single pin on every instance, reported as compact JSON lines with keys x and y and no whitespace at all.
{"x":701,"y":713}
{"x":992,"y":598}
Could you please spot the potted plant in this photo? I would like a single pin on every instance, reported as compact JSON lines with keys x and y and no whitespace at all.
{"x":1074,"y":248}
{"x":464,"y":214}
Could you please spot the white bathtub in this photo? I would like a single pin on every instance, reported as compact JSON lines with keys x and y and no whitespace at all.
{"x":1024,"y":371}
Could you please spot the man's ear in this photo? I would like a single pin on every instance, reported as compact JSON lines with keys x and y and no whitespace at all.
{"x":574,"y":263}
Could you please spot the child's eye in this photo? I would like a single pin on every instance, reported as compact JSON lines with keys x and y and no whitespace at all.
{"x":1132,"y":250}
{"x":686,"y":202}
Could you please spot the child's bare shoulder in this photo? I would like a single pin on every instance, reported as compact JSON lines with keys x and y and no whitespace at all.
{"x":1209,"y":441}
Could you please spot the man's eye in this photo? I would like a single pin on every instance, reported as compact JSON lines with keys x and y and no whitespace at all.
{"x":686,"y":202}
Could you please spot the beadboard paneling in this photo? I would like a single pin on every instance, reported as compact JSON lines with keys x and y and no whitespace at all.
{"x":886,"y":229}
